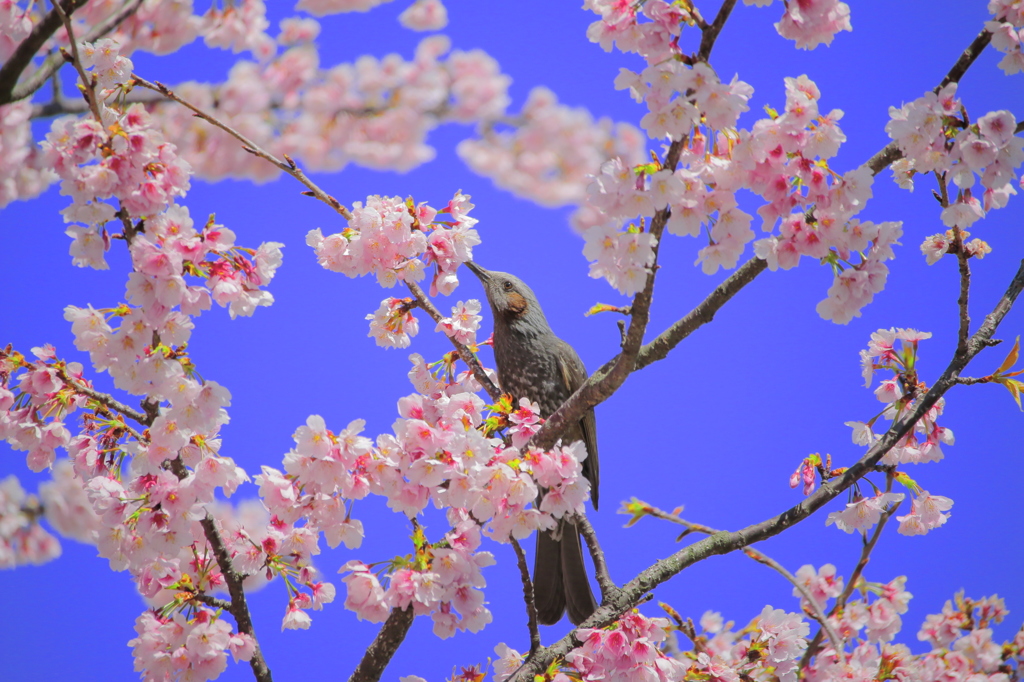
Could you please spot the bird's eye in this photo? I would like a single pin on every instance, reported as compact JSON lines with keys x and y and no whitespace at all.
{"x":507,"y":285}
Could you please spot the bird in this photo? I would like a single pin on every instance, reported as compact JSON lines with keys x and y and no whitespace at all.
{"x":535,"y":364}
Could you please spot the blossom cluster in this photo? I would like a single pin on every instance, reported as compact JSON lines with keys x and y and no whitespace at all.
{"x":866,"y":623}
{"x":438,"y":453}
{"x":550,"y":151}
{"x":23,"y":171}
{"x":899,"y":394}
{"x":144,"y":495}
{"x":374,"y":112}
{"x":632,"y":648}
{"x":445,"y":584}
{"x":396,"y":240}
{"x":935,"y":137}
{"x":22,"y":540}
{"x":176,"y":647}
{"x":1007,"y":31}
{"x":808,"y":23}
{"x":783,"y":159}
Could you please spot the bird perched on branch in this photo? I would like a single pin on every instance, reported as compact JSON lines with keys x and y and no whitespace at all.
{"x":535,"y":364}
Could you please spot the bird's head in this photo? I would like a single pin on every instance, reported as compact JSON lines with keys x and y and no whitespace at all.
{"x":508,"y":295}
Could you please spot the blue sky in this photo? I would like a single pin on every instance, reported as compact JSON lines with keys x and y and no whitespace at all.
{"x":717,"y":427}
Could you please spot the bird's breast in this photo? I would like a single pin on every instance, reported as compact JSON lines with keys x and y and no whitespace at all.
{"x":528,"y":368}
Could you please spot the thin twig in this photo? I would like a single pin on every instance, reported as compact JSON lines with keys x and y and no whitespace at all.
{"x":468,"y":356}
{"x":288,"y":166}
{"x":531,"y":605}
{"x":88,"y":89}
{"x":604,"y":579}
{"x":810,"y":603}
{"x":764,"y":559}
{"x":104,"y":399}
{"x":965,"y":290}
{"x":851,"y":585}
{"x":215,"y":602}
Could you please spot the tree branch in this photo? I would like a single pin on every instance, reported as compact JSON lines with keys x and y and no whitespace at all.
{"x":288,"y":166}
{"x":965,"y":291}
{"x":23,"y":54}
{"x":531,"y":605}
{"x":55,"y":60}
{"x":606,"y":380}
{"x":967,"y":57}
{"x":725,"y":542}
{"x":88,"y":89}
{"x":238,"y":607}
{"x":761,"y":558}
{"x":710,"y":34}
{"x":104,"y":399}
{"x":659,"y":348}
{"x":384,"y":646}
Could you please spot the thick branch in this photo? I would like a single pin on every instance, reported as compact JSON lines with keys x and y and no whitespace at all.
{"x":710,"y":34}
{"x":967,"y":58}
{"x":531,"y":604}
{"x":23,"y":54}
{"x":55,"y":60}
{"x":725,"y":542}
{"x":239,"y":607}
{"x":468,"y":356}
{"x":288,"y":166}
{"x":384,"y":646}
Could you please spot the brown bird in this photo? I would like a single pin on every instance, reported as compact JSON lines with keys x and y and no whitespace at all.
{"x":535,"y":364}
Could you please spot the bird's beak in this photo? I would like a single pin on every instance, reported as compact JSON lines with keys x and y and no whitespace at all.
{"x":484,"y":275}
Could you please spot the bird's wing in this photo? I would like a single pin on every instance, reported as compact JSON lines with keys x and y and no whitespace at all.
{"x":574,"y":374}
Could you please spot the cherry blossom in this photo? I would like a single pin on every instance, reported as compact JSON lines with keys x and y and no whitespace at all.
{"x":862,"y":513}
{"x":424,"y":15}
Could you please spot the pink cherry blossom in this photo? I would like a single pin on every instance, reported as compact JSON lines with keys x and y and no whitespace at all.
{"x":424,"y":15}
{"x":863,"y":513}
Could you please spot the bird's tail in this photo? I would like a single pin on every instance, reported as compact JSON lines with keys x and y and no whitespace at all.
{"x":560,"y":578}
